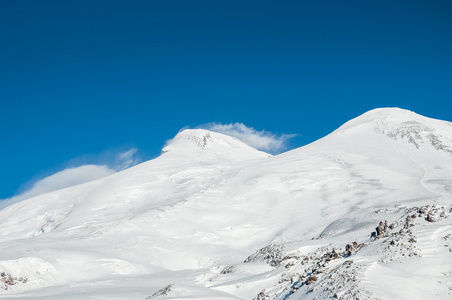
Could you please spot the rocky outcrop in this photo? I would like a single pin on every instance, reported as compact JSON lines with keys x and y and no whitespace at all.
{"x":271,"y":254}
{"x":7,"y":280}
{"x":162,"y":292}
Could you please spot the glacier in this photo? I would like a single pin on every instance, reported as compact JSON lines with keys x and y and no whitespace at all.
{"x":213,"y":218}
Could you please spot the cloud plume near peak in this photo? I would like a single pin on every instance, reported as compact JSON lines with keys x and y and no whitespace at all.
{"x":259,"y":139}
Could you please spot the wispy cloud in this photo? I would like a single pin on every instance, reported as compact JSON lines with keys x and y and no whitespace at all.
{"x":259,"y":139}
{"x":80,"y":170}
{"x":117,"y":159}
{"x":126,"y":159}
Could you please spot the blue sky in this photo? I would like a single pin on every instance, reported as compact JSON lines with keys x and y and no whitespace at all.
{"x":84,"y":82}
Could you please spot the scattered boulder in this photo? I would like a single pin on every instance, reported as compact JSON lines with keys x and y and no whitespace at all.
{"x":380,"y":228}
{"x":423,"y":210}
{"x":412,"y":240}
{"x":262,"y":295}
{"x":7,"y":280}
{"x":334,"y":254}
{"x":311,"y":279}
{"x":348,"y":248}
{"x":431,"y":218}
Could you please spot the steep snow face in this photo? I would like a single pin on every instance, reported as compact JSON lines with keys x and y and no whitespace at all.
{"x":214,"y":218}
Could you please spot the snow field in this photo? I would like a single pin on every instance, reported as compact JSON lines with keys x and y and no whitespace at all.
{"x":213,"y":218}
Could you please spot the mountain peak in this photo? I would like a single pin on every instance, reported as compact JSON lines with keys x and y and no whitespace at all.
{"x":382,"y":116}
{"x":403,"y":126}
{"x":198,"y":137}
{"x":202,"y":221}
{"x":204,"y":143}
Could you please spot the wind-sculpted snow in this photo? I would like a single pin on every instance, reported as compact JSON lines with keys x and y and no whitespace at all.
{"x":213,"y":218}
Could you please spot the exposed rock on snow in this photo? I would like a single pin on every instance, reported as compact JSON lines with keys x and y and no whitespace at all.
{"x":6,"y":280}
{"x":271,"y":254}
{"x":350,"y":216}
{"x":162,"y":292}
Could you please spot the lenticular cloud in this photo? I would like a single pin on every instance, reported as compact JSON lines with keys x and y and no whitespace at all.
{"x":261,"y":140}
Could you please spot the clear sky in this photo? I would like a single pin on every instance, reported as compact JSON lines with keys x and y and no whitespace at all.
{"x":108,"y":82}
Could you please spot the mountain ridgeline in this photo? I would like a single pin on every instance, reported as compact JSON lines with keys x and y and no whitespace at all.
{"x":363,"y":213}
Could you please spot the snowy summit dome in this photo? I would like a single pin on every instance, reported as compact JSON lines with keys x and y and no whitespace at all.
{"x":205,"y":143}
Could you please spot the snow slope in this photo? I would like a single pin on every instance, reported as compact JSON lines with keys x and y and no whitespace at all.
{"x":213,"y":218}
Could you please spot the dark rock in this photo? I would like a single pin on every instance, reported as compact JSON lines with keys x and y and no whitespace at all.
{"x":162,"y":292}
{"x":311,"y":279}
{"x":271,"y":254}
{"x":262,"y":295}
{"x":229,"y":270}
{"x":380,"y":228}
{"x":431,"y":218}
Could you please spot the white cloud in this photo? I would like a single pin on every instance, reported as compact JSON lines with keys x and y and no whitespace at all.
{"x":68,"y":177}
{"x":63,"y":179}
{"x":85,"y":171}
{"x":262,"y":140}
{"x":116,"y":158}
{"x":126,"y":159}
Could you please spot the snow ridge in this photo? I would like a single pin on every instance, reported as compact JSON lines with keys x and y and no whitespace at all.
{"x":361,"y":213}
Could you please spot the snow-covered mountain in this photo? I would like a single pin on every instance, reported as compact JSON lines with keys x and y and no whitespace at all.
{"x":363,"y":213}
